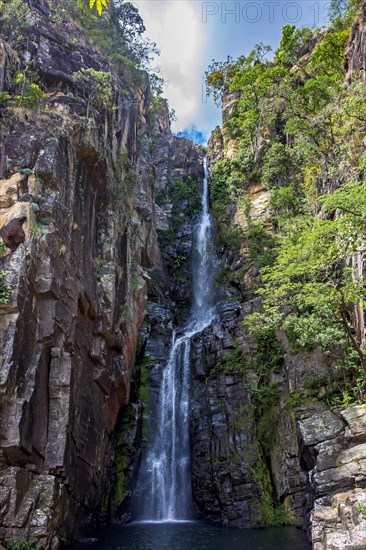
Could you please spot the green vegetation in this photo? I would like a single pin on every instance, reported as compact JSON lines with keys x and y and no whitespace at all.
{"x":99,"y":5}
{"x":14,"y":16}
{"x":25,"y":91}
{"x":185,"y":197}
{"x":117,"y":33}
{"x":143,"y":393}
{"x":123,"y":449}
{"x":298,"y":132}
{"x":38,"y":229}
{"x":29,"y":92}
{"x":4,"y":289}
{"x":310,"y":275}
{"x":267,"y":360}
{"x":120,"y":492}
{"x":22,"y":544}
{"x":269,"y":514}
{"x":265,"y":396}
{"x":127,"y":178}
{"x":292,"y":40}
{"x":234,"y":363}
{"x":96,"y":86}
{"x":361,"y":509}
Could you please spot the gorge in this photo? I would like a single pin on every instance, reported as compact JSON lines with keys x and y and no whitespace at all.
{"x":180,"y":344}
{"x":166,"y":494}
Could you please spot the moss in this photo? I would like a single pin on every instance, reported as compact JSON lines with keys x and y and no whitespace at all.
{"x":162,"y":197}
{"x":269,"y":354}
{"x":176,"y":266}
{"x":38,"y":230}
{"x":126,"y":176}
{"x":166,"y":238}
{"x":361,"y":509}
{"x":234,"y":363}
{"x":265,"y":511}
{"x":229,"y":237}
{"x":185,"y":197}
{"x":143,"y":391}
{"x":265,"y":401}
{"x":315,"y":381}
{"x":120,"y":492}
{"x":143,"y":379}
{"x":4,"y":289}
{"x":21,"y":544}
{"x":269,"y":513}
{"x":123,"y":450}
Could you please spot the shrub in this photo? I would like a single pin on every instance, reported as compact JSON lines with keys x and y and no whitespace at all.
{"x":22,"y":544}
{"x":30,"y":93}
{"x":96,"y":87}
{"x":4,"y":289}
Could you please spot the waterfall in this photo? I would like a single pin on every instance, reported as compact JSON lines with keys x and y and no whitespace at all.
{"x":166,"y":467}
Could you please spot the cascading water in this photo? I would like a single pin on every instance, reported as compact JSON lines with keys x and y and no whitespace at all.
{"x":167,"y":487}
{"x":163,"y":491}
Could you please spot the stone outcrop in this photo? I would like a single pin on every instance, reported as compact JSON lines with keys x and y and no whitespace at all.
{"x":341,"y":526}
{"x":86,"y":180}
{"x":174,"y":157}
{"x":314,"y":453}
{"x":216,"y":146}
{"x":13,"y":234}
{"x":355,"y":63}
{"x":227,"y":467}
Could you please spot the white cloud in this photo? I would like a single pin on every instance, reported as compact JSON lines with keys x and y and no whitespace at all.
{"x":177,"y":29}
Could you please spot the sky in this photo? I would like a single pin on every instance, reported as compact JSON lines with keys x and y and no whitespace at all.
{"x":191,"y":33}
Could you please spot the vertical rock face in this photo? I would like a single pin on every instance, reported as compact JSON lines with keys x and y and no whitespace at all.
{"x":227,"y":463}
{"x":314,"y":467}
{"x":315,"y":456}
{"x":356,"y":54}
{"x":85,"y":182}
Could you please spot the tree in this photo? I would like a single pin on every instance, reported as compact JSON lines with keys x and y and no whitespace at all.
{"x":128,"y":18}
{"x":292,"y":40}
{"x":328,"y":56}
{"x":96,"y":87}
{"x":310,"y":289}
{"x":126,"y":39}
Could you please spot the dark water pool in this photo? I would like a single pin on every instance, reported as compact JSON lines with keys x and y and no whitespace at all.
{"x":195,"y":536}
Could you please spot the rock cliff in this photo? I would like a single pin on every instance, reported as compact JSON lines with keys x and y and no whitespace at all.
{"x":83,"y":177}
{"x":312,"y":450}
{"x":98,"y":202}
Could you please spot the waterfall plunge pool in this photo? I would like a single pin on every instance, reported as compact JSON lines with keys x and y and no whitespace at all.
{"x":194,"y":535}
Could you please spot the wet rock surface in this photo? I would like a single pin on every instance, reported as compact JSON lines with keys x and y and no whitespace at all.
{"x":225,"y":451}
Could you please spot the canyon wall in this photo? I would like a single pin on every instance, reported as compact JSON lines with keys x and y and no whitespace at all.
{"x":98,"y":203}
{"x":269,"y":427}
{"x":85,"y":176}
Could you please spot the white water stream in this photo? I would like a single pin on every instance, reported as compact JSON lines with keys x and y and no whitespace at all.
{"x":166,"y":468}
